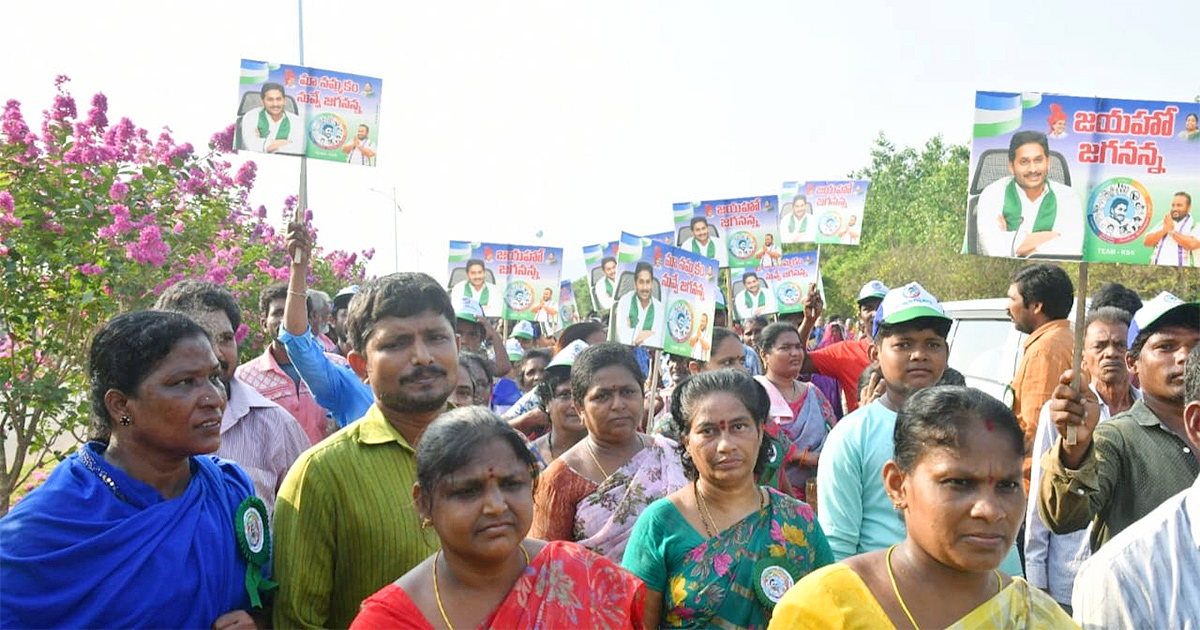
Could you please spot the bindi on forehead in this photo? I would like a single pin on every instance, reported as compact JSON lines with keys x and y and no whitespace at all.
{"x":988,"y":425}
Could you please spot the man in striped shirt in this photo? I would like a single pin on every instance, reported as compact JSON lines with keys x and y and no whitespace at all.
{"x":345,"y":523}
{"x":1146,"y":577}
{"x":262,"y":437}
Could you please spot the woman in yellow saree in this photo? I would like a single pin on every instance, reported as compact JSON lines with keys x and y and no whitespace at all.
{"x":956,"y":478}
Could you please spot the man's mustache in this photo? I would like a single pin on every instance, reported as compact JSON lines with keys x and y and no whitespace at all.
{"x":422,"y":372}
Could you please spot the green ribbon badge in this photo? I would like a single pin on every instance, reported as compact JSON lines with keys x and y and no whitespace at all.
{"x":775,"y":576}
{"x":254,"y":543}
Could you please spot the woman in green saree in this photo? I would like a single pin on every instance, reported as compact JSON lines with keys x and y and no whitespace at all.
{"x":722,"y":550}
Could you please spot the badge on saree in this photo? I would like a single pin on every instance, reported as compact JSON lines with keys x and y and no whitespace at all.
{"x":254,"y":543}
{"x":775,"y":576}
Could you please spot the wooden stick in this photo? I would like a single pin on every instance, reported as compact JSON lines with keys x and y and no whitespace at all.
{"x":648,"y":420}
{"x":1076,"y":360}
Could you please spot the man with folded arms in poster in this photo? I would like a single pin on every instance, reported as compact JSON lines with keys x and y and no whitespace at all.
{"x":1026,"y":213}
{"x":271,"y":128}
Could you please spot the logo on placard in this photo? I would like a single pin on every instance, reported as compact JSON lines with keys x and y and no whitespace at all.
{"x":830,"y":223}
{"x":788,"y":293}
{"x":328,"y":131}
{"x":743,"y":245}
{"x":519,"y":295}
{"x":679,"y":320}
{"x":1119,"y":210}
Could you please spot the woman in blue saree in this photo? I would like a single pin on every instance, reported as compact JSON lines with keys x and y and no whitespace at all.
{"x":137,"y":528}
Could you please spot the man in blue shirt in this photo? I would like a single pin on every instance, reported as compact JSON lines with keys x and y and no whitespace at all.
{"x":336,"y":387}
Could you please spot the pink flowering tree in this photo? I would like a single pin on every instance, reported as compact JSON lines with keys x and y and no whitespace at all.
{"x":97,"y":219}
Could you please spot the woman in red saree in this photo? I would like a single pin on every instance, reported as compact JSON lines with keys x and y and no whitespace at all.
{"x":475,"y":491}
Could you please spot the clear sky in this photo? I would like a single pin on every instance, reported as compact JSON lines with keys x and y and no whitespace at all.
{"x":579,"y":119}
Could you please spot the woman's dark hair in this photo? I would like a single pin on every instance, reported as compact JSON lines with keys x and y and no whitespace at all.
{"x":769,"y":335}
{"x":596,"y":358}
{"x":453,"y":439}
{"x":553,"y":377}
{"x":128,"y":348}
{"x":936,"y":416}
{"x":720,"y":334}
{"x":580,"y":331}
{"x":691,"y":390}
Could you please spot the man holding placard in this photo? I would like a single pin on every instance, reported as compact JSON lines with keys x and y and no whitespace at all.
{"x":1026,"y":213}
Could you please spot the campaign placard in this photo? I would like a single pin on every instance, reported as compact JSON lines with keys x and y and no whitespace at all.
{"x":600,"y":260}
{"x":788,"y":282}
{"x":568,"y":310}
{"x":299,"y":110}
{"x":796,"y":221}
{"x":666,"y":298}
{"x":517,"y":282}
{"x":837,"y":206}
{"x":738,"y":233}
{"x":1084,"y":178}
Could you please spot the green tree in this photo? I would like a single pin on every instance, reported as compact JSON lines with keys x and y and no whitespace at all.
{"x":95,"y":220}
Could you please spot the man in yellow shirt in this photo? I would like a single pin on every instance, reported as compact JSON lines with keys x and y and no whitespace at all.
{"x":345,"y":522}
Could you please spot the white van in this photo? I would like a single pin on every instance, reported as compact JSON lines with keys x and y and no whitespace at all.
{"x":984,"y":345}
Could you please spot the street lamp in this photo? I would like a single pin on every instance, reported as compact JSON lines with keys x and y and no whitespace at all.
{"x":395,"y":225}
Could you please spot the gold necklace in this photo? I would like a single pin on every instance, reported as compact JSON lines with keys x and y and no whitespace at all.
{"x":762,"y":503}
{"x":591,"y":449}
{"x":437,"y":594}
{"x":896,"y":589}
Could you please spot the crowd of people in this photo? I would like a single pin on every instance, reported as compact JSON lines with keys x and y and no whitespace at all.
{"x":393,"y":461}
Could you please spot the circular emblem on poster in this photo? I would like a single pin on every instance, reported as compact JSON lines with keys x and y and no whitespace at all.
{"x":328,"y":131}
{"x":1119,"y":210}
{"x":518,"y":295}
{"x":829,"y":223}
{"x":679,"y":320}
{"x":788,"y":293}
{"x":743,"y":245}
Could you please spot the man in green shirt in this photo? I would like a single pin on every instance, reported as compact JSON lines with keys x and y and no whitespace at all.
{"x":1121,"y":470}
{"x":345,"y":524}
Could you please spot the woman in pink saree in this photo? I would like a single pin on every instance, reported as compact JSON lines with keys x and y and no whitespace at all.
{"x":595,"y":491}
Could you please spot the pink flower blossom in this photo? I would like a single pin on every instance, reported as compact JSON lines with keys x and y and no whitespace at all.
{"x":118,"y":191}
{"x":3,"y":250}
{"x":223,"y":140}
{"x":89,"y":269}
{"x":241,"y":332}
{"x":6,"y":201}
{"x":98,"y":114}
{"x":54,"y":226}
{"x":245,"y":175}
{"x":149,"y":248}
{"x":178,"y":227}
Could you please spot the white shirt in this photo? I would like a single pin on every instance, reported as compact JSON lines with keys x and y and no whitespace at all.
{"x":770,"y":256}
{"x":358,"y":157}
{"x":996,"y":241}
{"x":626,"y":333}
{"x":744,"y":312}
{"x":262,"y":437}
{"x":1169,"y":253}
{"x":295,"y":137}
{"x":790,"y":230}
{"x":1052,"y":560}
{"x":495,"y":303}
{"x":604,"y":297}
{"x":722,"y":254}
{"x":1148,"y":576}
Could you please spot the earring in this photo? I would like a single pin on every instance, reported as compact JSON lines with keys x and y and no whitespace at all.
{"x":125,"y":421}
{"x":426,"y":522}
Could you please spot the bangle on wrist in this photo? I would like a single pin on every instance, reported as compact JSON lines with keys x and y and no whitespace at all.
{"x":298,"y":293}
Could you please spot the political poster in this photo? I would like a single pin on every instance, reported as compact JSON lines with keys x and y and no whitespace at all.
{"x":788,"y":282}
{"x":517,"y":282}
{"x":600,"y":260}
{"x":302,"y":111}
{"x":838,"y":207}
{"x":666,"y":298}
{"x":568,"y":310}
{"x":738,"y":233}
{"x":796,"y":221}
{"x":1084,"y":178}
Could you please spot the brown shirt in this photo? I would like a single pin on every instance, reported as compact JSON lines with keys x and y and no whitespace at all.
{"x":1133,"y":465}
{"x":1048,"y":353}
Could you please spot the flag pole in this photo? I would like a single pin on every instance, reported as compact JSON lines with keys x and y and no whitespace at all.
{"x":1076,"y":360}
